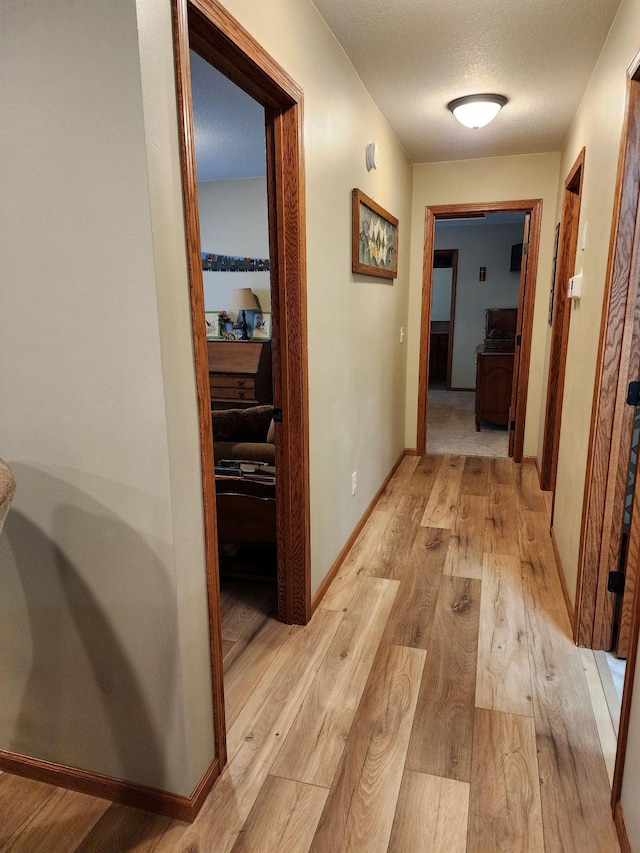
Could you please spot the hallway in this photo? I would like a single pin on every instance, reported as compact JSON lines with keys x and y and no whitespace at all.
{"x":451,"y":427}
{"x":434,"y":703}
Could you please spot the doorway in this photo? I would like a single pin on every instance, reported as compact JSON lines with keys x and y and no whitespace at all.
{"x":443,"y":317}
{"x":567,"y":248}
{"x":230,"y":149}
{"x":207,"y":28}
{"x":513,"y":411}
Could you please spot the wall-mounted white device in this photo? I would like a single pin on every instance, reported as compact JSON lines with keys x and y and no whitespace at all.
{"x":575,"y":287}
{"x":372,"y":156}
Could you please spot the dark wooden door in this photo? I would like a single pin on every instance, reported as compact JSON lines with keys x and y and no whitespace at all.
{"x":519,"y":324}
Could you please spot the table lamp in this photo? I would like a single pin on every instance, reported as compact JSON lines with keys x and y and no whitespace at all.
{"x":242,"y":299}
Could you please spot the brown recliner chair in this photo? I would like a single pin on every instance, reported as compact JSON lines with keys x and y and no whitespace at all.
{"x":247,"y":434}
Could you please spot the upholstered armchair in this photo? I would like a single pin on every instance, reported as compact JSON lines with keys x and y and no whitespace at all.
{"x":247,"y":434}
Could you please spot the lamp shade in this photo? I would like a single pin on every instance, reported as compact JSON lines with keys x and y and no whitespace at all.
{"x":477,"y":110}
{"x":243,"y":299}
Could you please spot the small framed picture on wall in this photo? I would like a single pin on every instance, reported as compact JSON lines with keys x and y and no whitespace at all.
{"x":212,"y":320}
{"x":262,"y":327}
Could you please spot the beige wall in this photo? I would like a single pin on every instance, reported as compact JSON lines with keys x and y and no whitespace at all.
{"x":356,"y":361}
{"x":488,"y":180}
{"x":102,"y":552}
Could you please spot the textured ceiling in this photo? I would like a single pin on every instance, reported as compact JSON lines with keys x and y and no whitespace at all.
{"x":414,"y":56}
{"x":229,"y":126}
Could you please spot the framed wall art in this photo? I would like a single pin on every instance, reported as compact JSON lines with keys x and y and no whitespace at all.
{"x":262,"y":327}
{"x":374,"y":238}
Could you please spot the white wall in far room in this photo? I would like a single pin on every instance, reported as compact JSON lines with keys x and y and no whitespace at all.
{"x":234,"y":221}
{"x":441,"y":296}
{"x":479,"y":245}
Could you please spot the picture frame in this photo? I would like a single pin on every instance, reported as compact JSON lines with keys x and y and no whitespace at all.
{"x":374,"y":238}
{"x":212,"y":323}
{"x":262,"y":326}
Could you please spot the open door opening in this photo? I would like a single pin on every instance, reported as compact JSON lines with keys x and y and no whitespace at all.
{"x":567,"y":248}
{"x":443,"y":316}
{"x":515,"y":396}
{"x":503,"y":371}
{"x":207,"y":28}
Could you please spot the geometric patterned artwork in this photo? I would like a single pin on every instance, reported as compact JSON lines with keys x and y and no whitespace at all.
{"x":374,"y":238}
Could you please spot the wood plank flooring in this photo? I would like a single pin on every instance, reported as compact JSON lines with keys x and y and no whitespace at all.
{"x":435,"y":702}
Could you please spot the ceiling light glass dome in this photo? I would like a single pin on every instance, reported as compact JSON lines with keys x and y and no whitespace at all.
{"x":477,"y":110}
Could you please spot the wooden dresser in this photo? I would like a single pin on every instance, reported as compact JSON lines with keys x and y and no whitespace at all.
{"x":494,"y":377}
{"x":240,"y":374}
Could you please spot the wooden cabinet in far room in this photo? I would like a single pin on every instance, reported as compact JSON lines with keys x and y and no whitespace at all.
{"x":494,"y":378}
{"x":438,"y":351}
{"x":240,"y":374}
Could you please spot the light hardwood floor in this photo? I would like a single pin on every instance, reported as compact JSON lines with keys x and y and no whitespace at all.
{"x":435,"y":702}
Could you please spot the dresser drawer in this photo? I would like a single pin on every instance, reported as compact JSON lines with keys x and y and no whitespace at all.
{"x":233,"y":393}
{"x":239,"y":374}
{"x":222,"y":381}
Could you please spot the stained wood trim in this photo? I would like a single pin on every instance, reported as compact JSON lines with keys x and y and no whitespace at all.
{"x":411,"y":451}
{"x":201,"y":360}
{"x":335,"y":568}
{"x":239,"y":56}
{"x":116,"y":790}
{"x":527,"y":327}
{"x":610,"y":434}
{"x":530,"y":460}
{"x":568,"y":246}
{"x":621,"y":829}
{"x":563,"y":581}
{"x":630,"y":671}
{"x":289,"y":309}
{"x":534,"y":206}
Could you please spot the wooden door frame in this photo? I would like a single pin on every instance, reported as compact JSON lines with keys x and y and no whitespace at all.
{"x":207,"y":27}
{"x":611,"y":419}
{"x":453,"y":254}
{"x":567,"y":252}
{"x":432,"y":213}
{"x":633,"y":553}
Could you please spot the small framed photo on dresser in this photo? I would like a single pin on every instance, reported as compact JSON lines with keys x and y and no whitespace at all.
{"x":212,"y":320}
{"x":262,"y":326}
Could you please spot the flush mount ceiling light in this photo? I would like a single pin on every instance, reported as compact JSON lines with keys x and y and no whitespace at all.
{"x":477,"y":110}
